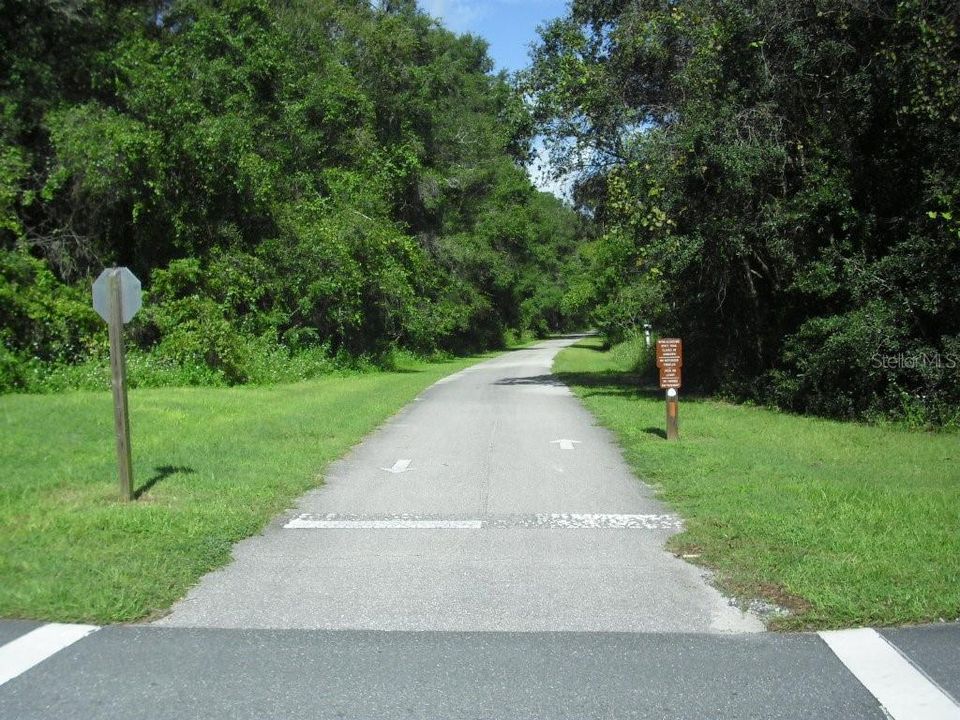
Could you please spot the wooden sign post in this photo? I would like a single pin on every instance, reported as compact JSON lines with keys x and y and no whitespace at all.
{"x":116,"y":298}
{"x":673,"y":408}
{"x":670,"y":362}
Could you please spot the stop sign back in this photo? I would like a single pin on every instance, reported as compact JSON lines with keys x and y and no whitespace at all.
{"x":130,"y":294}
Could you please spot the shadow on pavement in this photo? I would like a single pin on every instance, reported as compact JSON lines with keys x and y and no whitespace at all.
{"x":551,"y":380}
{"x":607,"y":383}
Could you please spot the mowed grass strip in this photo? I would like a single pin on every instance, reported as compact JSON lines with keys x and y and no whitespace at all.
{"x":213,"y":465}
{"x":844,"y":523}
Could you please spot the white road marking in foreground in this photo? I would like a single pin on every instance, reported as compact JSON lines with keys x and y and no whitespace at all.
{"x":18,"y":656}
{"x":903,"y":690}
{"x":544,"y":521}
{"x":400,"y":466}
{"x":305,"y":524}
{"x":565,"y":444}
{"x":607,"y":521}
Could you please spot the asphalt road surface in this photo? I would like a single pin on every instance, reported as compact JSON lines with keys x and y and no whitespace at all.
{"x":485,"y":554}
{"x":177,"y":673}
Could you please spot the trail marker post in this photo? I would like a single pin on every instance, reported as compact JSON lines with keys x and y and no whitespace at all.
{"x":670,"y":362}
{"x":117,"y":298}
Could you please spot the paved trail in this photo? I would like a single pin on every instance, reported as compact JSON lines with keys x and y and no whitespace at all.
{"x":465,"y":513}
{"x":463,"y":563}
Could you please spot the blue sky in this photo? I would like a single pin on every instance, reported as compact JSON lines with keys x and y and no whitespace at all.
{"x":508,"y":25}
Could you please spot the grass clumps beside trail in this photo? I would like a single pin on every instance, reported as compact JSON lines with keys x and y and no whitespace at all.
{"x":213,"y":466}
{"x":845,"y":524}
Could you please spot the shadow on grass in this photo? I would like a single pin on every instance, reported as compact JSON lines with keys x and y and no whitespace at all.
{"x":162,"y":473}
{"x":607,"y":383}
{"x":613,"y":384}
{"x":604,"y":383}
{"x":659,"y":432}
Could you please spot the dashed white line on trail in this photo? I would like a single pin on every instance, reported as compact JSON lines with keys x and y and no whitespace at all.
{"x":904,"y":691}
{"x":307,"y":524}
{"x":18,"y":656}
{"x":604,"y":521}
{"x":565,"y":444}
{"x":542,"y":521}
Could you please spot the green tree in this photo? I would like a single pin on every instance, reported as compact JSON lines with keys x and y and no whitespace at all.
{"x":298,"y":176}
{"x":775,"y":181}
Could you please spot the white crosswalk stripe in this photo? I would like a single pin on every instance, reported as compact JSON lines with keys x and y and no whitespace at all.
{"x":904,"y":691}
{"x":18,"y":656}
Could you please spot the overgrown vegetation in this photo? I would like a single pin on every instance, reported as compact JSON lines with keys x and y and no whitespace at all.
{"x":844,"y":524}
{"x":778,"y":182}
{"x":300,"y":183}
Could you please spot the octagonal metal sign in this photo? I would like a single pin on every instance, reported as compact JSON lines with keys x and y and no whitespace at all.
{"x":130,"y":294}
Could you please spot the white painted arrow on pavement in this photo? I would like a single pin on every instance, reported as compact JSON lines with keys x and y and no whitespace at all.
{"x":565,"y":444}
{"x":400,"y":466}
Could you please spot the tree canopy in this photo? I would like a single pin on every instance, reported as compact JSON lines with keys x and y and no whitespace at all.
{"x":778,"y":182}
{"x":292,"y":174}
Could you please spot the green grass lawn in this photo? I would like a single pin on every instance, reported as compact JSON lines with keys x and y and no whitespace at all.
{"x":845,"y":524}
{"x":213,"y":465}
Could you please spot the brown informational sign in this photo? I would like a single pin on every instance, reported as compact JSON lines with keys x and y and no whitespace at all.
{"x":669,"y":360}
{"x":669,"y":352}
{"x":669,"y":377}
